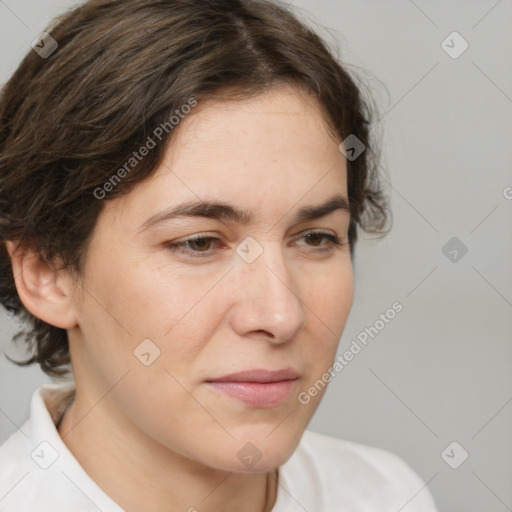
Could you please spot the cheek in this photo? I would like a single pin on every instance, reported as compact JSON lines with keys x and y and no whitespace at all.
{"x":328,"y":301}
{"x":328,"y":295}
{"x":127,"y":302}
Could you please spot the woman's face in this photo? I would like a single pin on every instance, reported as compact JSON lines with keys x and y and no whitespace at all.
{"x":260,"y":294}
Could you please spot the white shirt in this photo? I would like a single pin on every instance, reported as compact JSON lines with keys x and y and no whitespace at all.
{"x":38,"y":473}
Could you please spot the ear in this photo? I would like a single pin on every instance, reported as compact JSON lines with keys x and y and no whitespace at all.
{"x":44,"y":291}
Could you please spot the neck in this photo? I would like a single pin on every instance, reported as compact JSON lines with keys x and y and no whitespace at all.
{"x":138,"y":473}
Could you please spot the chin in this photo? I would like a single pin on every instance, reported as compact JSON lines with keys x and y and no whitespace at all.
{"x":257,"y":449}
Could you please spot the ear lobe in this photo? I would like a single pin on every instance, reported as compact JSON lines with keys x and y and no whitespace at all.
{"x":44,"y":291}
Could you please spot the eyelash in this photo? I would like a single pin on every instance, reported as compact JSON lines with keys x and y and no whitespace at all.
{"x":334,"y":241}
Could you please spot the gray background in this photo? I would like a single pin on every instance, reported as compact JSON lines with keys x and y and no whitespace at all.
{"x":440,"y":371}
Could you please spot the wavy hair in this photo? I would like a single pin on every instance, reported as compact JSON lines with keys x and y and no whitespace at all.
{"x":120,"y":70}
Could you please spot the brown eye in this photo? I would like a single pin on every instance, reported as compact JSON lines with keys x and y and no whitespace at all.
{"x":200,"y":244}
{"x":196,"y":247}
{"x":316,"y":237}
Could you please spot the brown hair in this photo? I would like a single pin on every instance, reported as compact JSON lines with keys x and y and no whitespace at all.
{"x":69,"y":120}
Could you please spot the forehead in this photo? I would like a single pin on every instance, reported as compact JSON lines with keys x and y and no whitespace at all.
{"x":278,"y":138}
{"x":273,"y":117}
{"x":261,"y":153}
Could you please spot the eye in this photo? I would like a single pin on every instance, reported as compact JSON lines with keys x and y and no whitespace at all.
{"x":194,"y":246}
{"x":318,"y":236}
{"x":201,"y":246}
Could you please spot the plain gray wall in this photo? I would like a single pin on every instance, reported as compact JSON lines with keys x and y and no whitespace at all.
{"x":440,"y":371}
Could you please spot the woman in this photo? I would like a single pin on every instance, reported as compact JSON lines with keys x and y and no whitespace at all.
{"x":182,"y":183}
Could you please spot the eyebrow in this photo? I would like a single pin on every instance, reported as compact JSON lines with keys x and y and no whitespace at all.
{"x":228,"y":212}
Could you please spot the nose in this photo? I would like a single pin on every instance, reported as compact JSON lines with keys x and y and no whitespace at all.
{"x":267,"y":302}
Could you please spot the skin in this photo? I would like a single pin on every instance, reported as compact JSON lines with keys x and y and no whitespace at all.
{"x":156,"y":437}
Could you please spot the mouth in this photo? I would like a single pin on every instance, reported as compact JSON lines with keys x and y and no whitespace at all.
{"x":257,"y":388}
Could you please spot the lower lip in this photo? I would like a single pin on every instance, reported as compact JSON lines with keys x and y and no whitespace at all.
{"x":257,"y":394}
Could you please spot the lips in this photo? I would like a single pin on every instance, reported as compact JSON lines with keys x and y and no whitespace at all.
{"x":258,"y":388}
{"x":259,"y":375}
